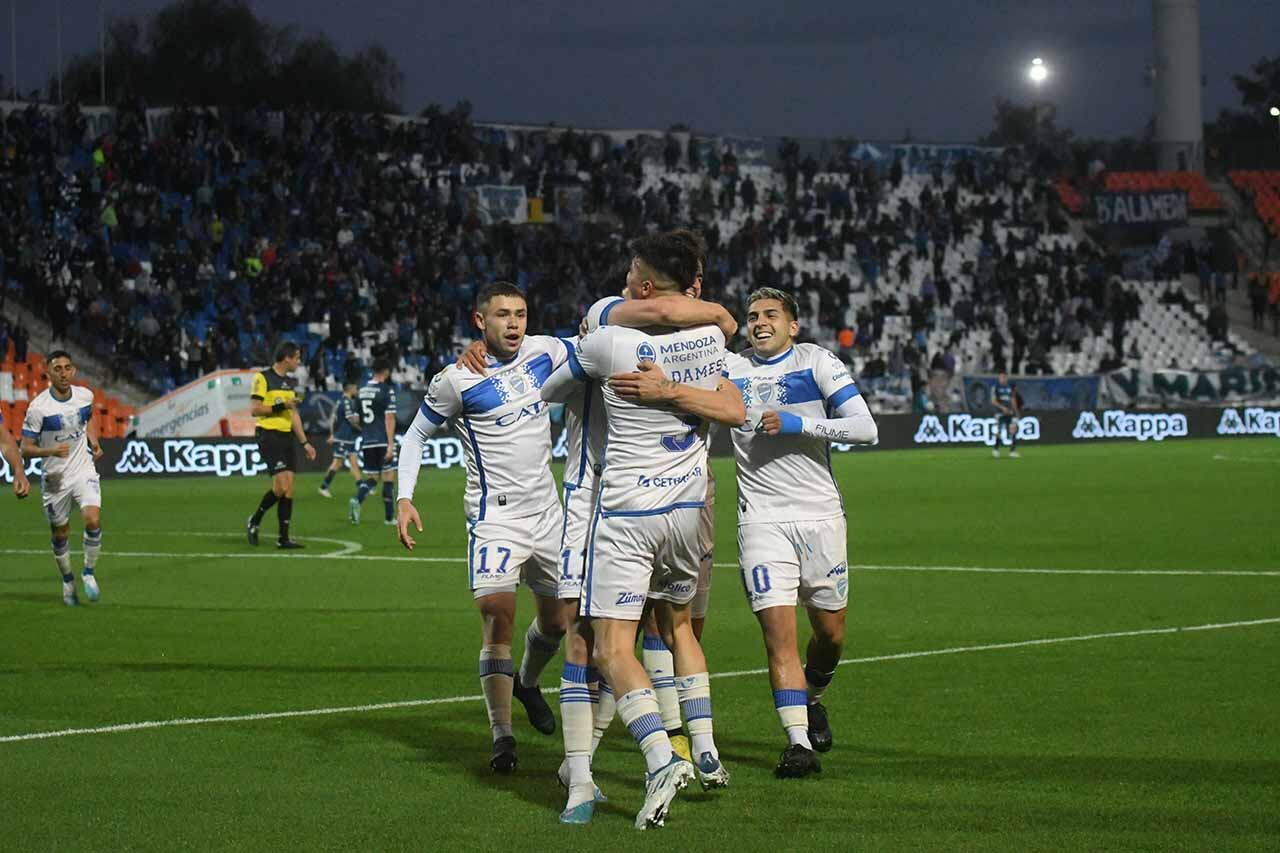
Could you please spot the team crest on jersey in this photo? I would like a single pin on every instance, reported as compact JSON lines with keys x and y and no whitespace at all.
{"x":645,"y":353}
{"x":765,"y":391}
{"x":518,"y":383}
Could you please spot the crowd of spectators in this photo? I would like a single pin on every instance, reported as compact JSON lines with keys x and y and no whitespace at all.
{"x":196,"y":245}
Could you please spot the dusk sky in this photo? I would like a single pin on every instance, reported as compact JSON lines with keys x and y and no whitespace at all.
{"x":871,"y":70}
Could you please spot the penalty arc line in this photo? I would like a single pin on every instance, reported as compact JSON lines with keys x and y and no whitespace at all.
{"x":448,"y":700}
{"x":858,"y":567}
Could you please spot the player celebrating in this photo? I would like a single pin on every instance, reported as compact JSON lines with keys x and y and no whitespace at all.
{"x":654,"y":479}
{"x":513,"y":514}
{"x":1006,"y":399}
{"x":59,"y":426}
{"x":791,"y":525}
{"x":377,"y":406}
{"x":13,"y":456}
{"x":273,"y":401}
{"x":344,"y":426}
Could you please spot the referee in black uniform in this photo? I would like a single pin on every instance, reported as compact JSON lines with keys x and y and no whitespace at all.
{"x":273,"y":401}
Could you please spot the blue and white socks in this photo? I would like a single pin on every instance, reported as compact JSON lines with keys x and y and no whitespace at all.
{"x":639,"y":710}
{"x":695,"y":702}
{"x":496,"y":683}
{"x":539,"y":649}
{"x":659,"y":665}
{"x":576,"y":706}
{"x":793,"y":710}
{"x":62,"y":556}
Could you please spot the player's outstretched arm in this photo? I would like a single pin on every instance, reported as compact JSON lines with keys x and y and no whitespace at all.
{"x":12,"y":455}
{"x":675,"y":311}
{"x":563,"y":381}
{"x":855,"y":425}
{"x":650,"y":385}
{"x":425,"y":423}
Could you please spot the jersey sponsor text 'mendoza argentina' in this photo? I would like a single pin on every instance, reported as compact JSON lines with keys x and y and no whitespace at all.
{"x":504,"y":427}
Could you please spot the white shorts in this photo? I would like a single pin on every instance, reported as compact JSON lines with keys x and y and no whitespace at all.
{"x":501,"y":554}
{"x":795,"y":561}
{"x":631,"y":558}
{"x":706,"y":552}
{"x":579,"y":507}
{"x":81,"y":493}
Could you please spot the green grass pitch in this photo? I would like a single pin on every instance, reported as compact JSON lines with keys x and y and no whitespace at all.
{"x":1141,"y":738}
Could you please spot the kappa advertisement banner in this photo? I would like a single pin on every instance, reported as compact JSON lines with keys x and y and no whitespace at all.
{"x":177,"y":457}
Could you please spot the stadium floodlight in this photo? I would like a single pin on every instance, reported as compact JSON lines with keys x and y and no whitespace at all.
{"x":1038,"y":72}
{"x":1275,"y":112}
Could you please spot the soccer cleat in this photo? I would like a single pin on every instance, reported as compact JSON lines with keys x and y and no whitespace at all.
{"x":390,"y":522}
{"x":579,"y":814}
{"x":324,"y":492}
{"x":819,"y":728}
{"x":680,"y":746}
{"x":562,"y":776}
{"x":660,"y":788}
{"x":91,"y":590}
{"x":797,"y":762}
{"x":69,"y":596}
{"x":711,"y":773}
{"x":504,"y":755}
{"x":251,"y":531}
{"x":353,"y":511}
{"x":995,"y":454}
{"x":540,"y":716}
{"x":289,"y":545}
{"x":1013,"y":454}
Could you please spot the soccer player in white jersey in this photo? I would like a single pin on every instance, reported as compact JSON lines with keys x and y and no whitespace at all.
{"x":13,"y":458}
{"x":643,"y":537}
{"x":59,"y":426}
{"x":513,"y":512}
{"x":791,"y":524}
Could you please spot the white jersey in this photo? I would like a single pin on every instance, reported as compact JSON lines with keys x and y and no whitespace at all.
{"x":786,"y":478}
{"x":585,"y":428}
{"x":50,"y":422}
{"x":655,"y":460}
{"x":505,"y":430}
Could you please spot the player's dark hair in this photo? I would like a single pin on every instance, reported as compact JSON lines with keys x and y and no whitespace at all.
{"x":672,"y":259}
{"x":697,"y":243}
{"x":381,"y":365}
{"x":56,"y":354}
{"x":497,"y":288}
{"x":788,"y":301}
{"x":287,"y":349}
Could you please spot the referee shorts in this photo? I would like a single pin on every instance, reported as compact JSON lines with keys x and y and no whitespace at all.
{"x":278,"y":450}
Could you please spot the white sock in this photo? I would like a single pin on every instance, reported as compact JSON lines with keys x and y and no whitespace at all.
{"x":92,"y":548}
{"x":793,"y":711}
{"x":496,"y":682}
{"x":62,"y":556}
{"x":575,"y":723}
{"x":661,"y":667}
{"x":539,"y":649}
{"x":604,"y":715}
{"x":695,"y":702}
{"x":639,"y":710}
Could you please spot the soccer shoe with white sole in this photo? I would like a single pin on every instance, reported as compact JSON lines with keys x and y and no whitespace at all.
{"x":1013,"y":454}
{"x":819,"y":727}
{"x":680,"y":746}
{"x":390,"y":522}
{"x":353,"y":511}
{"x":91,"y":590}
{"x":796,"y":762}
{"x":711,"y":773}
{"x":540,"y":716}
{"x":503,"y":759}
{"x":660,"y":788}
{"x":289,"y":545}
{"x":324,"y":492}
{"x":562,"y":776}
{"x":995,"y":454}
{"x":69,"y":596}
{"x":251,"y":532}
{"x":579,"y":814}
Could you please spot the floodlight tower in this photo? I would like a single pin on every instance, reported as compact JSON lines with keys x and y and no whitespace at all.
{"x":1179,"y":120}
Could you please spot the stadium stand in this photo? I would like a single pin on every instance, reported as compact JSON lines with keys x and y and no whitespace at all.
{"x":21,"y":380}
{"x":1263,"y":188}
{"x":178,"y":248}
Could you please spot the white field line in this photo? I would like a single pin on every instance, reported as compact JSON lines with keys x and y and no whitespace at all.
{"x":346,"y":554}
{"x":448,"y":700}
{"x":1269,"y":459}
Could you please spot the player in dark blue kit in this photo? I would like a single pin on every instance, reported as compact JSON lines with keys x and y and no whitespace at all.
{"x":344,"y":427}
{"x":1004,"y":397}
{"x":376,"y":400}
